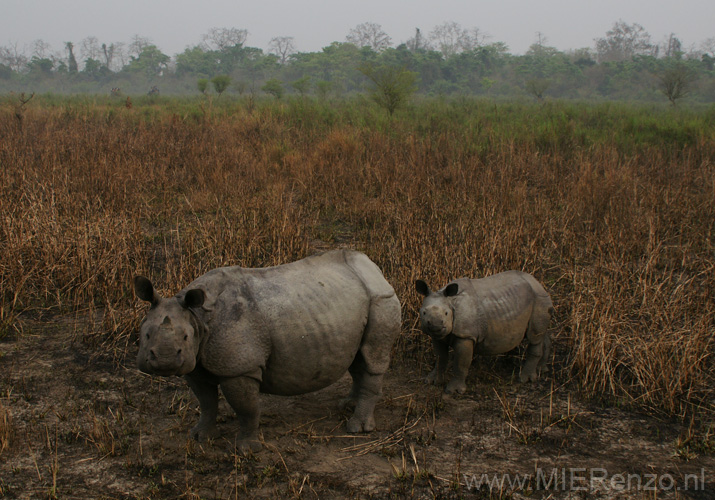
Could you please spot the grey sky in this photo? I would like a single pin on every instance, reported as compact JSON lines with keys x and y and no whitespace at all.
{"x":175,"y":24}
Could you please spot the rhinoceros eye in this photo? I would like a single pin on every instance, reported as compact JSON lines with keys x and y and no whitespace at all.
{"x":147,"y":336}
{"x":186,"y":337}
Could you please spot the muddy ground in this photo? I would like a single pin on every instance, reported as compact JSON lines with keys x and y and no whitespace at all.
{"x":77,"y":425}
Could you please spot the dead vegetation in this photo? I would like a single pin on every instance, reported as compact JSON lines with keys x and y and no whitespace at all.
{"x":91,"y":196}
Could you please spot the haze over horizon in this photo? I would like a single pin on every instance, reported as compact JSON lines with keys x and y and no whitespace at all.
{"x":173,"y":26}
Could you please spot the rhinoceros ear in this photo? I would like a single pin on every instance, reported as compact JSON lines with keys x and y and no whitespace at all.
{"x":422,"y":288}
{"x":451,"y":290}
{"x":145,"y":290}
{"x":193,"y":298}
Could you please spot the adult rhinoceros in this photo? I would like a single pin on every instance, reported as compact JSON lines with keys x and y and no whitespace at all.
{"x":489,"y":316}
{"x":286,"y":330}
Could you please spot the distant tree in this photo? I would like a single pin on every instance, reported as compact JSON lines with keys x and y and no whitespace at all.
{"x":42,"y":66}
{"x":448,"y":38}
{"x":197,"y":61}
{"x":624,"y":41}
{"x":323,"y":89}
{"x":369,"y":35}
{"x":539,"y":47}
{"x":707,"y":53}
{"x":72,"y":61}
{"x":273,"y":87}
{"x":150,"y":61}
{"x":92,"y":67}
{"x":90,"y":49}
{"x":282,"y":47}
{"x":5,"y":72}
{"x":203,"y":85}
{"x":221,"y":83}
{"x":392,"y":86}
{"x":222,"y":39}
{"x":676,"y":81}
{"x":708,"y":46}
{"x":41,"y":49}
{"x":301,"y":85}
{"x":582,"y":57}
{"x":537,"y":87}
{"x":241,"y":86}
{"x":671,"y":47}
{"x":487,"y":83}
{"x":12,"y":56}
{"x":418,"y":42}
{"x":111,"y":54}
{"x":138,"y":44}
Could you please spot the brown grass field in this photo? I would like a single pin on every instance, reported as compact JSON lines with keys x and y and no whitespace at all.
{"x":620,"y":233}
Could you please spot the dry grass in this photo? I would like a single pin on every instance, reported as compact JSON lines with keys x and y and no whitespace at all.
{"x":90,"y":197}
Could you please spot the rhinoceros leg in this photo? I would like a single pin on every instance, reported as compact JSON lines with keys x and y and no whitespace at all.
{"x":463,"y":352}
{"x":206,"y":392}
{"x":366,"y":391}
{"x":372,"y":360}
{"x":539,"y":342}
{"x":441,"y":350}
{"x":534,"y":355}
{"x":242,"y":394}
{"x":543,"y":363}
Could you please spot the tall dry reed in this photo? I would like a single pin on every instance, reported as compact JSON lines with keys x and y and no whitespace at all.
{"x":623,"y":238}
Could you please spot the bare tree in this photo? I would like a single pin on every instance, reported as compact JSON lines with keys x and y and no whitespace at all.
{"x":138,"y":44}
{"x":119,"y":56}
{"x":450,"y":38}
{"x":708,"y":46}
{"x":283,"y":47}
{"x":539,"y":47}
{"x":41,"y":48}
{"x":672,"y":47}
{"x":476,"y":38}
{"x":90,"y":49}
{"x":369,"y":35}
{"x":623,"y":41}
{"x":222,"y":39}
{"x":13,"y":57}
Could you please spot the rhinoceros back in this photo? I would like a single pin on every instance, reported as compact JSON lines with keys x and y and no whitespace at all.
{"x":496,"y":310}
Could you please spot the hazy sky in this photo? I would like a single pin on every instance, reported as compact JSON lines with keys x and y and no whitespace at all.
{"x":175,"y":24}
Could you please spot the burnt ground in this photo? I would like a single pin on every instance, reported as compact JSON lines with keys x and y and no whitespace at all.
{"x":77,"y":425}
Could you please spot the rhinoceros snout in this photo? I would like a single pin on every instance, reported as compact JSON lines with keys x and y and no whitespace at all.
{"x":164,"y":361}
{"x":435,"y":330}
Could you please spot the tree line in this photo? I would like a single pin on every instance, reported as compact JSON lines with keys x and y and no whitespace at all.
{"x":449,"y":60}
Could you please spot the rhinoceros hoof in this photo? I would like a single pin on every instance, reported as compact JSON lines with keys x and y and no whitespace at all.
{"x":248,"y":445}
{"x":528,"y":377}
{"x":356,"y":425}
{"x":452,"y":387}
{"x":435,"y":378}
{"x":201,"y":434}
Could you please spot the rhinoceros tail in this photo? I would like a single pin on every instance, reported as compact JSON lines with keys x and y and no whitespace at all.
{"x":370,"y":275}
{"x":384,"y":318}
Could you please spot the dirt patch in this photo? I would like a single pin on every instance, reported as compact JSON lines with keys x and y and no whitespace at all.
{"x":74,"y":425}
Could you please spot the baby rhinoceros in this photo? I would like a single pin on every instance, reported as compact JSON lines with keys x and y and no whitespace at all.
{"x":490,"y":316}
{"x":284,"y":330}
